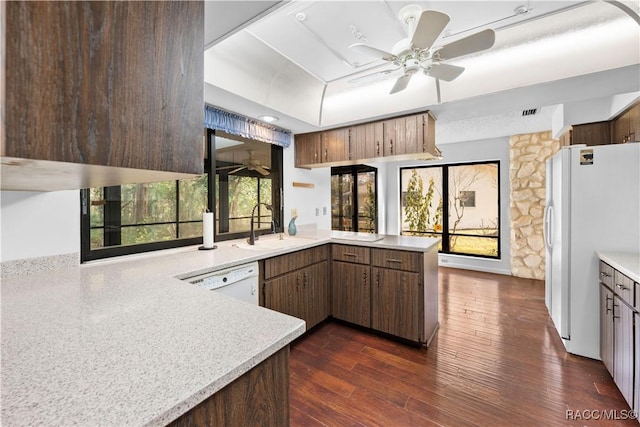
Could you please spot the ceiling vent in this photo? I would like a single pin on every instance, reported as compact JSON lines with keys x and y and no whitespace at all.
{"x":529,"y":112}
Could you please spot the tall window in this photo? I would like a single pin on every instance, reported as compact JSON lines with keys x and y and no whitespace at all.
{"x":135,"y":218}
{"x":353,"y":199}
{"x":458,"y":203}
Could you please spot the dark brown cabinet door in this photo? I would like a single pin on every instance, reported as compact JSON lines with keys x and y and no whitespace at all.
{"x":351,"y":293}
{"x":623,"y":348}
{"x":316,"y":293}
{"x":105,"y":83}
{"x":606,"y":327}
{"x":335,"y":145}
{"x":395,"y":303}
{"x":308,"y":148}
{"x":366,"y":141}
{"x":591,"y":134}
{"x":389,"y":139}
{"x":284,"y":294}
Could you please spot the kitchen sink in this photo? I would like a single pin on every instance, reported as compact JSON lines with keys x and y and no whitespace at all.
{"x":272,"y":243}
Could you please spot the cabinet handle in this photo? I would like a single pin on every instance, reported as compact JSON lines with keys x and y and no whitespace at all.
{"x":613,"y":308}
{"x":305,"y":279}
{"x":378,"y":279}
{"x":350,"y":254}
{"x":364,"y":279}
{"x":298,"y":281}
{"x":398,"y":261}
{"x":606,"y":303}
{"x":315,"y":156}
{"x":326,"y":154}
{"x":603,"y":274}
{"x":621,"y":286}
{"x":377,"y":148}
{"x":391,"y":146}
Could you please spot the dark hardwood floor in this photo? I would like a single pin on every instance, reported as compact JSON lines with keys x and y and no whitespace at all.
{"x":496,"y":361}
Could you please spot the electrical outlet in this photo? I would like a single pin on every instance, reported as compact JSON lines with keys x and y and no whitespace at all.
{"x":317,"y":211}
{"x":324,"y":210}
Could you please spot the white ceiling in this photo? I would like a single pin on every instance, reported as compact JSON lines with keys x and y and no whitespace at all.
{"x":263,"y":59}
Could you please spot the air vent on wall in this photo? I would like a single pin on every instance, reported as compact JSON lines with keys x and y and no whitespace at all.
{"x":530,"y":112}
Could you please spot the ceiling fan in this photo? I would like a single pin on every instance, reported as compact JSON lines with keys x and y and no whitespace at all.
{"x":416,"y":52}
{"x":250,"y":164}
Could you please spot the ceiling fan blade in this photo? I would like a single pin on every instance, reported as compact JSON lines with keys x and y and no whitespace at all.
{"x":372,"y":76}
{"x":401,"y":84}
{"x":237,"y":170}
{"x":444,"y":72}
{"x":372,"y":51}
{"x":260,"y":169}
{"x":429,"y":27}
{"x":474,"y":43}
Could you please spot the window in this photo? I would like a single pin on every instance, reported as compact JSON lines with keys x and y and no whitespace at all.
{"x":135,"y":218}
{"x":247,"y":176}
{"x":353,"y":199}
{"x":458,"y":203}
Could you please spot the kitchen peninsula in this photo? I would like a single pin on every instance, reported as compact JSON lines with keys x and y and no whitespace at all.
{"x":126,"y":342}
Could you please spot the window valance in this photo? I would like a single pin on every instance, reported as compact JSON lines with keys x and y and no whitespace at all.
{"x":245,"y":127}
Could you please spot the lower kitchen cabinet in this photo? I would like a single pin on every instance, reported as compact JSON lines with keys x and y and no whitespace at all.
{"x":351,"y":292}
{"x":315,"y":295}
{"x":396,"y":302}
{"x":297,"y":284}
{"x":259,"y":397}
{"x":606,"y":327}
{"x":387,"y":290}
{"x":618,"y":352}
{"x":283,"y":294}
{"x":623,"y":348}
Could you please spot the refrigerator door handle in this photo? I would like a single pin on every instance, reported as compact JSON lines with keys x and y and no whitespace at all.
{"x":548,"y":227}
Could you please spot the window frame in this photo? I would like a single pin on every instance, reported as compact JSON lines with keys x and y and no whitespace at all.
{"x":445,"y":235}
{"x":88,"y":254}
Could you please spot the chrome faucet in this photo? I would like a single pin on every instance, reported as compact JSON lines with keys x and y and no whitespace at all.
{"x":252,"y":234}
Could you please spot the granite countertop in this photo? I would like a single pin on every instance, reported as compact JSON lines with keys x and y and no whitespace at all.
{"x":125,"y":342}
{"x":627,"y":263}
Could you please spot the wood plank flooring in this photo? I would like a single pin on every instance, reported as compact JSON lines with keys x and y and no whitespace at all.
{"x":496,"y":361}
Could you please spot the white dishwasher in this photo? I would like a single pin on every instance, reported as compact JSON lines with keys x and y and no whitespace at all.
{"x":240,"y":282}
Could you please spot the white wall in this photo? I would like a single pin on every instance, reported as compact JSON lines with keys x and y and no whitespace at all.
{"x":308,"y":201}
{"x":34,"y":224}
{"x":460,"y":152}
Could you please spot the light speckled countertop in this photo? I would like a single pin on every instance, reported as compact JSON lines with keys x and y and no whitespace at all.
{"x":124,"y":342}
{"x":627,"y":263}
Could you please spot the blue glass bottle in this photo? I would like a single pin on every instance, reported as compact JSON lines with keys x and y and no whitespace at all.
{"x":292,"y":227}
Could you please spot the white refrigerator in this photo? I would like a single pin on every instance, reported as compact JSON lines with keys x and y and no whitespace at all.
{"x":592,"y":204}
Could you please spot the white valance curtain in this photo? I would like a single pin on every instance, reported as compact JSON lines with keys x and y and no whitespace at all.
{"x":245,"y":127}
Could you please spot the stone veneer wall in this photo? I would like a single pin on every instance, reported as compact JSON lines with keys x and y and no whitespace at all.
{"x":528,"y":154}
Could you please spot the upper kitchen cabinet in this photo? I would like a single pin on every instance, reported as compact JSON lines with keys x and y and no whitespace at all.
{"x":308,"y":148}
{"x":320,"y":148}
{"x":101,"y":93}
{"x":410,"y":135}
{"x":366,"y":140}
{"x":400,"y":138}
{"x":626,"y":127}
{"x":335,"y":145}
{"x":598,"y":133}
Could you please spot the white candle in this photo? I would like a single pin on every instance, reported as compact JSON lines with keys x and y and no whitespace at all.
{"x":207,"y":230}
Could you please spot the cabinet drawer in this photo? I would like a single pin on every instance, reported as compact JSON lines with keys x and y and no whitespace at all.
{"x":623,"y":287}
{"x":355,"y":254}
{"x":282,"y":264}
{"x":606,"y":274}
{"x":397,"y":260}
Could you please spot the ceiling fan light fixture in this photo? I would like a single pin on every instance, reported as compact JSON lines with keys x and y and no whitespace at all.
{"x":268,"y":118}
